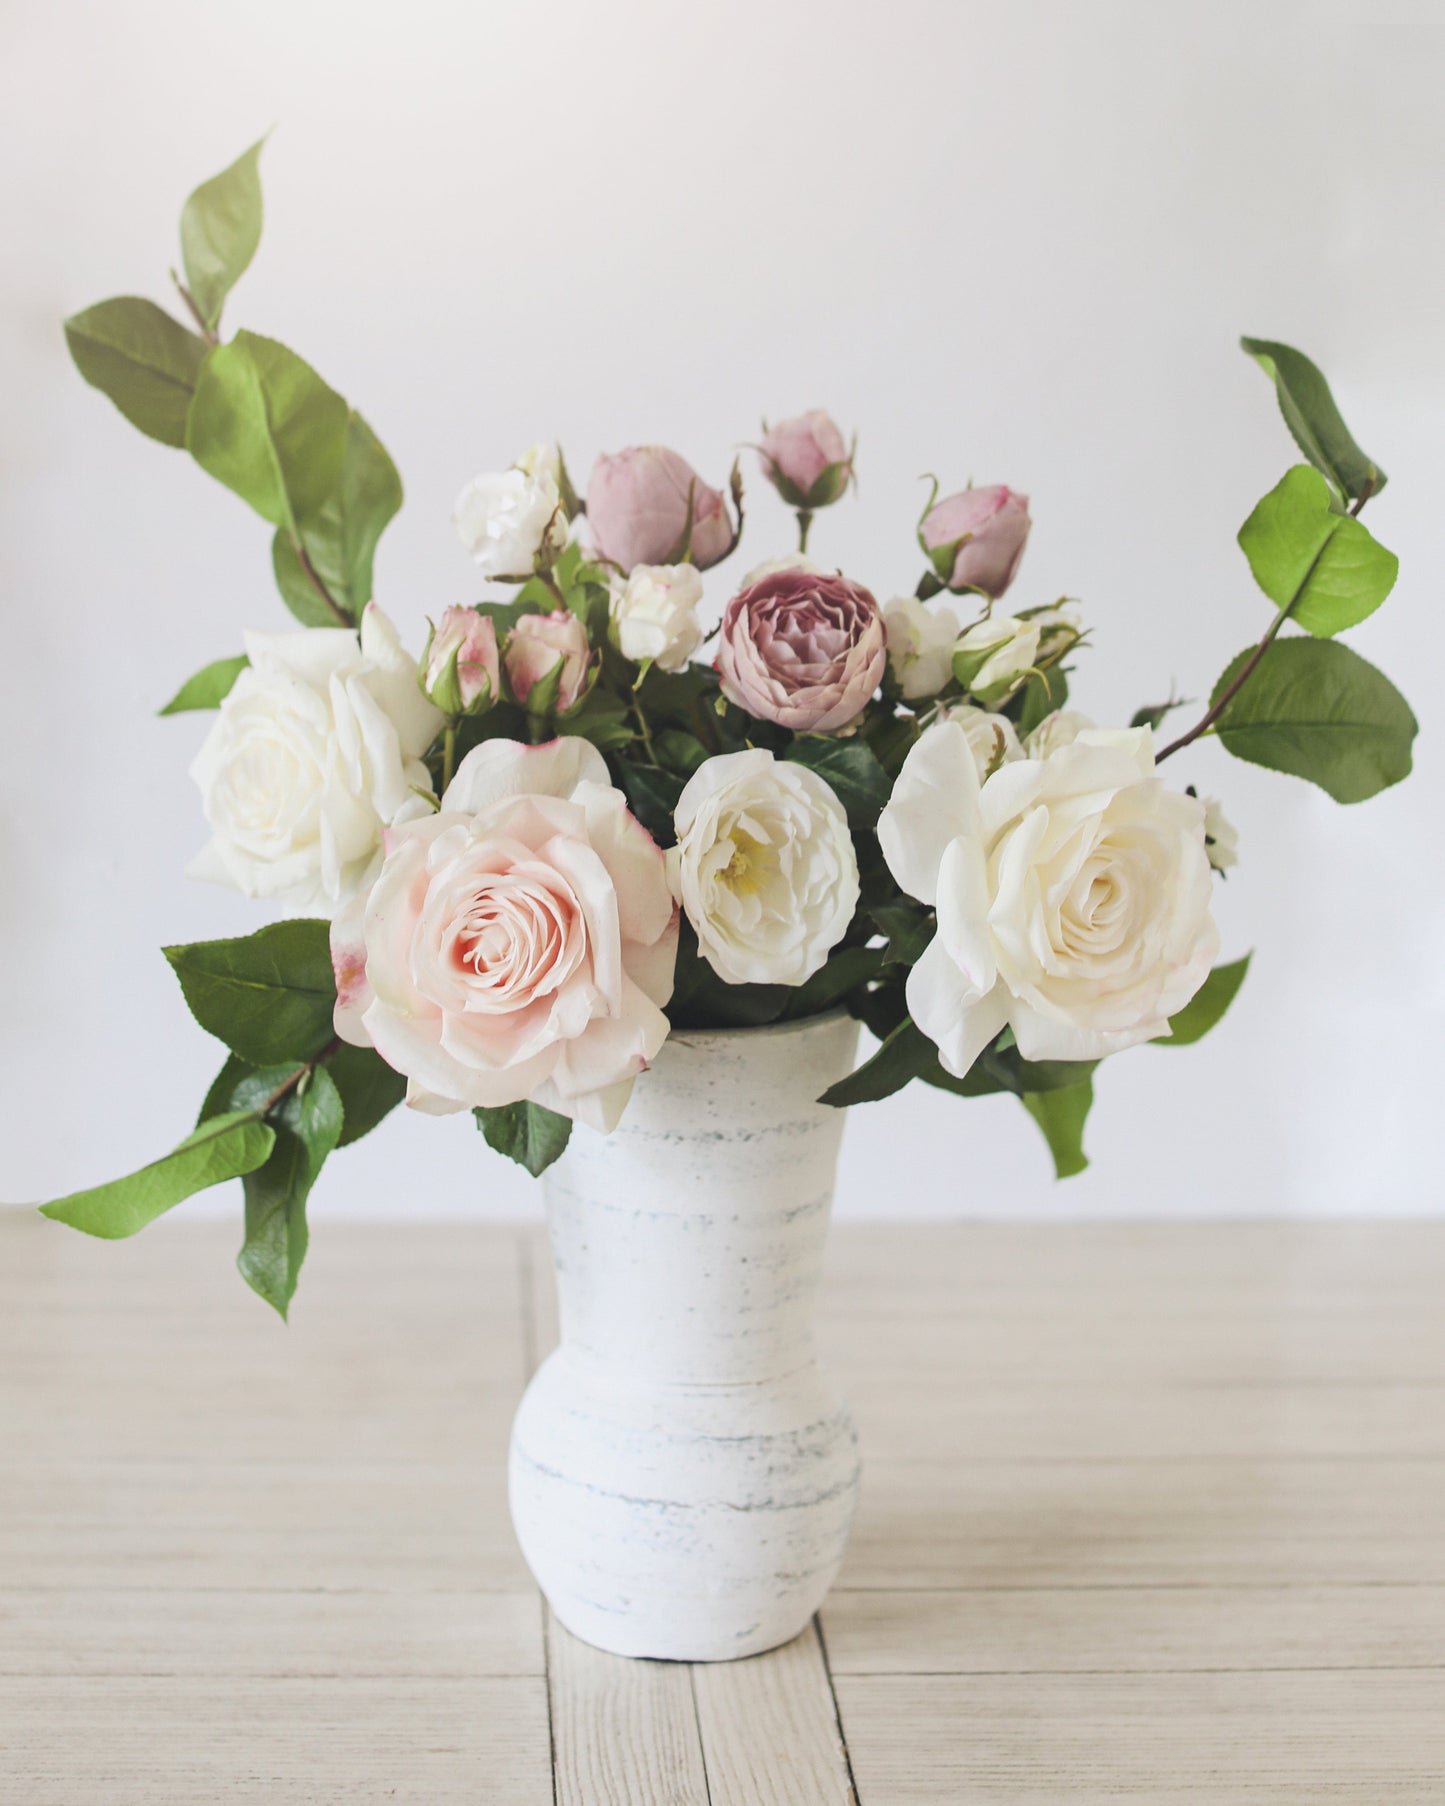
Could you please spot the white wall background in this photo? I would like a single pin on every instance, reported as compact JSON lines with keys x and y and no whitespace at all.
{"x":1013,"y":242}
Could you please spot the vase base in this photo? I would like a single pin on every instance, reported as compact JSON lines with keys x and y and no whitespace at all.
{"x":651,"y":1637}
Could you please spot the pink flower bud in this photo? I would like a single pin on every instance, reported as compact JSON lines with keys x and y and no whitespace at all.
{"x":802,"y":648}
{"x":537,"y":646}
{"x":637,"y":511}
{"x":807,"y":460}
{"x":460,"y":665}
{"x":976,"y":538}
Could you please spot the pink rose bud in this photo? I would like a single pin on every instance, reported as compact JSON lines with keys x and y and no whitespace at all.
{"x":976,"y":538}
{"x":540,"y":645}
{"x":802,"y":648}
{"x":637,"y":511}
{"x":806,"y":460}
{"x":459,"y":667}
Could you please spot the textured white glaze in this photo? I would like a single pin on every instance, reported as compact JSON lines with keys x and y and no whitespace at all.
{"x":683,"y":1472}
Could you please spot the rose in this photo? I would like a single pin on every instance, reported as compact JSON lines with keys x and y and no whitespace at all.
{"x":540,"y":645}
{"x":315,"y":749}
{"x":638,"y":511}
{"x":790,"y":561}
{"x":976,"y":539}
{"x":459,"y":666}
{"x":519,"y":944}
{"x":1221,"y":837}
{"x":654,"y":614}
{"x":1073,"y":896}
{"x":1056,"y":730}
{"x":764,"y":867}
{"x":992,"y":658}
{"x":803,"y":649}
{"x":992,"y":739}
{"x":920,"y":646}
{"x":512,"y":521}
{"x":806,"y":460}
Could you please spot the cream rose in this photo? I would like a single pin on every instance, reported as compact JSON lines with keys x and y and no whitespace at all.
{"x":764,"y":867}
{"x":920,"y":646}
{"x":1073,"y":895}
{"x":1059,"y":729}
{"x":992,"y":739}
{"x":518,"y":944}
{"x":313,"y":753}
{"x":513,"y":519}
{"x":654,"y":614}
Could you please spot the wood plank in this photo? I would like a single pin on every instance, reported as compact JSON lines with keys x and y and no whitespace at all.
{"x":769,"y":1729}
{"x":624,"y":1732}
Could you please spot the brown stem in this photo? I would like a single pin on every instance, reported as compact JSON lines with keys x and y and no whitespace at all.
{"x":313,"y":577}
{"x":290,"y":1083}
{"x":208,"y":333}
{"x":1363,"y":497}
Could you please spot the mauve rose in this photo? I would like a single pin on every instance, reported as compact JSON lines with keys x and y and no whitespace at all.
{"x":535,"y":648}
{"x":637,"y":510}
{"x":976,"y":539}
{"x":802,"y":648}
{"x":806,"y":460}
{"x":460,"y":663}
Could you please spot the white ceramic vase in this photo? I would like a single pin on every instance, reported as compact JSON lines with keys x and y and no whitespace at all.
{"x":683,"y":1471}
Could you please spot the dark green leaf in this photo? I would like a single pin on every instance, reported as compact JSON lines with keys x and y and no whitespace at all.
{"x":603,"y":719}
{"x":1153,"y":714}
{"x":146,"y":362}
{"x":220,"y":230}
{"x":1061,"y":1115}
{"x":702,"y":1000}
{"x":269,"y":996}
{"x":1041,"y":694}
{"x":1206,"y":1006}
{"x":526,"y":1133}
{"x":307,"y":1122}
{"x":909,"y":929}
{"x":1318,"y":710}
{"x":905,"y":1055}
{"x":1311,"y":415}
{"x":1325,"y":569}
{"x":652,"y":797}
{"x":208,"y":689}
{"x":853,"y":771}
{"x":847,"y":968}
{"x":370,"y":1089}
{"x":679,"y":752}
{"x":241,"y":1086}
{"x":223,"y":1148}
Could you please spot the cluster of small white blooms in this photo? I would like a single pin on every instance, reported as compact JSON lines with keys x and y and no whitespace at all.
{"x":764,"y":867}
{"x":921,"y":644}
{"x":509,"y":520}
{"x":654,"y":614}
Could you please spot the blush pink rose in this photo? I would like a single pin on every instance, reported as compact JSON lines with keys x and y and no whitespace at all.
{"x":637,"y":510}
{"x":976,"y":539}
{"x":802,"y":648}
{"x":537,"y":645}
{"x":460,"y":665}
{"x":518,"y":945}
{"x":807,"y":460}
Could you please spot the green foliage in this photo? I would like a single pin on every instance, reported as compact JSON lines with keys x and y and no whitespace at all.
{"x":909,"y":928}
{"x":369,"y":1089}
{"x":1325,"y":569}
{"x":1061,"y":1114}
{"x":209,"y":688}
{"x":269,"y":996}
{"x":220,"y":230}
{"x":341,"y":537}
{"x":1311,"y":415}
{"x":701,"y":1000}
{"x":307,"y":1124}
{"x":526,"y":1133}
{"x":906,"y":1054}
{"x":146,"y":362}
{"x":652,"y":797}
{"x":1206,"y":1006}
{"x":846,"y":969}
{"x":1040,"y":694}
{"x":851,"y":768}
{"x":1320,"y":711}
{"x":220,"y":1149}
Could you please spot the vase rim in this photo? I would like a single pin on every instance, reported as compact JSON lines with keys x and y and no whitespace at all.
{"x":757,"y":1031}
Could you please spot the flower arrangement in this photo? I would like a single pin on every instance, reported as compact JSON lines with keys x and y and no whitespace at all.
{"x":581,"y":819}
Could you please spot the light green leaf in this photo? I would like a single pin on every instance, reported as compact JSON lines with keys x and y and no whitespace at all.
{"x":1311,"y":415}
{"x":905,"y":1055}
{"x":1324,"y":568}
{"x":1061,"y":1114}
{"x":269,"y":996}
{"x":1206,"y":1006}
{"x":1319,"y":711}
{"x":307,"y":1124}
{"x":146,"y":362}
{"x":341,"y":537}
{"x":223,"y":1148}
{"x":220,"y":230}
{"x":852,"y":771}
{"x":526,"y":1133}
{"x":209,"y":688}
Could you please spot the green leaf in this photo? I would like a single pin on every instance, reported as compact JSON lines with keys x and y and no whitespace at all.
{"x":1041,"y":694}
{"x":208,"y":689}
{"x":1061,"y":1115}
{"x":241,"y":1086}
{"x":1311,"y":415}
{"x":223,"y":1148}
{"x":1206,"y":1006}
{"x":603,"y":719}
{"x":1319,"y":711}
{"x":851,"y":768}
{"x":526,"y":1133}
{"x":269,"y":996}
{"x":369,"y":1088}
{"x":341,"y":537}
{"x":652,"y":797}
{"x":220,"y":230}
{"x":847,"y":968}
{"x":905,"y":1055}
{"x":909,"y":930}
{"x":263,"y":423}
{"x":307,"y":1124}
{"x":702,"y":1000}
{"x":146,"y":362}
{"x":1325,"y":569}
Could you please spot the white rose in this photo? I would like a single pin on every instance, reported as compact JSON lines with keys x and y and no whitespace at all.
{"x":1073,"y":895}
{"x":999,"y":652}
{"x":543,"y":459}
{"x":790,"y":561}
{"x":314,"y":752}
{"x":1061,"y":728}
{"x":920,"y":646}
{"x":764,"y":867}
{"x":654,"y":614}
{"x":992,"y":739}
{"x":505,"y":519}
{"x":1221,"y":837}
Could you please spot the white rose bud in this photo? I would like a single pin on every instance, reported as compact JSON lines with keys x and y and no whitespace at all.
{"x":920,"y":646}
{"x":511,"y":521}
{"x":992,"y":739}
{"x":993,"y":657}
{"x":654,"y":614}
{"x":1221,"y":837}
{"x":1060,"y":729}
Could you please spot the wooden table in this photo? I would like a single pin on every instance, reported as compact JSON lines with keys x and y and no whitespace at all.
{"x":1150,"y":1513}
